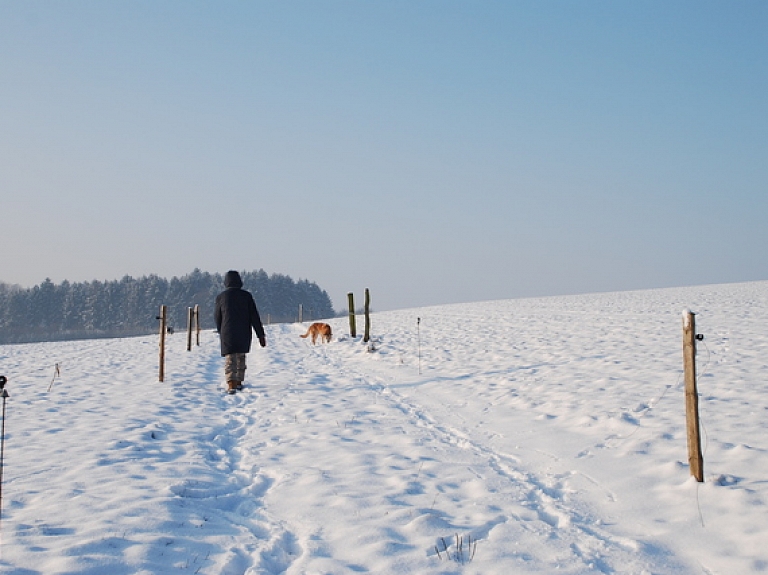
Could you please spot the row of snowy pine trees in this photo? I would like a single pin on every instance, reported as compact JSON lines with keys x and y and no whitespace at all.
{"x":130,"y":306}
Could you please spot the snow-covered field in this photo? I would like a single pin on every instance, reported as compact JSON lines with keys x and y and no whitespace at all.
{"x":523,"y":436}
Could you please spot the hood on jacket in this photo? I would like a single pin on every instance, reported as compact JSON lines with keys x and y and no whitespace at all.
{"x":232,"y":280}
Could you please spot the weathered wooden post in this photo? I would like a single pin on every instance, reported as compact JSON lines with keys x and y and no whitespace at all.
{"x":367,"y":335}
{"x":163,"y":318}
{"x":695,"y":458}
{"x":197,"y":324}
{"x":352,"y":328}
{"x":190,"y":321}
{"x":301,"y":313}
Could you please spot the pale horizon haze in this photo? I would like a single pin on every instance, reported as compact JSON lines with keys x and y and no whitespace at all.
{"x":435,"y":152}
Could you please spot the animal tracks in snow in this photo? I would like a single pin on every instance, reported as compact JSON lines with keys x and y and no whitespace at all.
{"x":546,"y":432}
{"x":400,"y":474}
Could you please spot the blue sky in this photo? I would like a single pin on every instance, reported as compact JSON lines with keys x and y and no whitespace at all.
{"x":434,"y":152}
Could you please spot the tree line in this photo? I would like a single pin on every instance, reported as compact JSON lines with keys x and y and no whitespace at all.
{"x":129,"y":307}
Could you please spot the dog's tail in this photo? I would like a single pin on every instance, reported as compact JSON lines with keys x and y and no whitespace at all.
{"x":306,"y":334}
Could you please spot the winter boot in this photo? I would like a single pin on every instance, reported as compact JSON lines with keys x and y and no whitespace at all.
{"x":232,"y":386}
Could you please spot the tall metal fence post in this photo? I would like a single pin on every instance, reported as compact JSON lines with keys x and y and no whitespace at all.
{"x":163,"y":327}
{"x":5,"y":396}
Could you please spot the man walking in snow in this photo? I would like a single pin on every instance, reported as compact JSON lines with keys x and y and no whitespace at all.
{"x":235,"y":315}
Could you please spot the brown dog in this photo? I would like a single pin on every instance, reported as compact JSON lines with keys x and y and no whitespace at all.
{"x":321,"y":330}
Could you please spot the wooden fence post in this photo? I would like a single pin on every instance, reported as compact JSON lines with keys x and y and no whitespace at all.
{"x":197,"y":324}
{"x":190,"y":320}
{"x":301,"y":313}
{"x":695,"y":458}
{"x":367,"y":335}
{"x":352,"y":327}
{"x":163,"y":326}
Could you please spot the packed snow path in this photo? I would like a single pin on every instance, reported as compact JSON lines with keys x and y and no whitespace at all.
{"x":530,"y":436}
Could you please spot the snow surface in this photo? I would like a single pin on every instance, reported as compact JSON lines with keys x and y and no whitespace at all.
{"x":524,"y":436}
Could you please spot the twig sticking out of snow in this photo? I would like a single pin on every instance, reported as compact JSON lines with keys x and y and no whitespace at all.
{"x":460,"y":554}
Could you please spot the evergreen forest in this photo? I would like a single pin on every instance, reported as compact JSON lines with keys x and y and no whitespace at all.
{"x":129,"y":307}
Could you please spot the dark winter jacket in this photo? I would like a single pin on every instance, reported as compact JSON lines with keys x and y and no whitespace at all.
{"x":235,"y":315}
